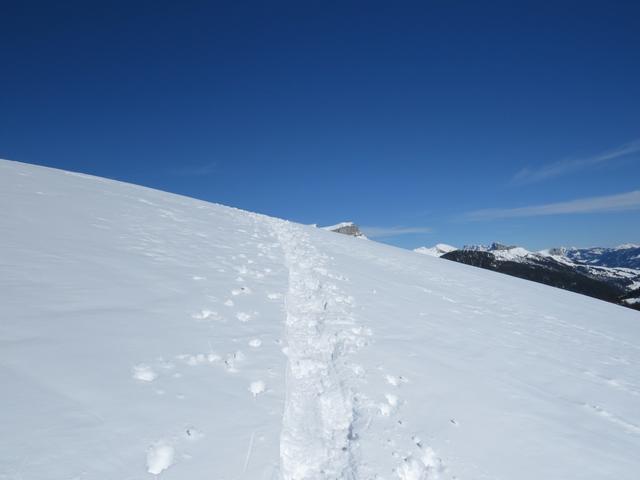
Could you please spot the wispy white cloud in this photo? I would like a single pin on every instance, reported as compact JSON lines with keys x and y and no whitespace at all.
{"x":563,"y":167}
{"x":381,"y":232}
{"x":202,"y":169}
{"x":608,"y":203}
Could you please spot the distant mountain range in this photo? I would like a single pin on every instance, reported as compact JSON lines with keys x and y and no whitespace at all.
{"x":611,"y":274}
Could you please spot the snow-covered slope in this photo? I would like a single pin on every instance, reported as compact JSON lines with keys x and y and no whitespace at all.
{"x":436,"y":251}
{"x":145,"y":333}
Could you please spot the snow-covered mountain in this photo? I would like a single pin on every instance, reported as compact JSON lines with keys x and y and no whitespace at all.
{"x":624,"y":256}
{"x":436,"y":251}
{"x":557,"y":267}
{"x":501,"y":251}
{"x":144,"y":333}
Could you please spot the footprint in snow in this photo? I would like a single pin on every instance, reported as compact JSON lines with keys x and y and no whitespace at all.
{"x":240,"y":291}
{"x":388,"y":407}
{"x":232,"y":360}
{"x":412,"y":469}
{"x":255,"y":342}
{"x":192,"y":434}
{"x":243,"y":316}
{"x":395,"y":381}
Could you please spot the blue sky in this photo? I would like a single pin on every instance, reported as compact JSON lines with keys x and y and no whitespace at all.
{"x":457,"y":122}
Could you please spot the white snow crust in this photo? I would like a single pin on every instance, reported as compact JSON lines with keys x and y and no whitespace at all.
{"x":147,"y":334}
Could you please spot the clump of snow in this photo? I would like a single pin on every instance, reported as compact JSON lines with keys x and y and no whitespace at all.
{"x":160,"y":456}
{"x":144,"y":372}
{"x":392,"y":399}
{"x":204,"y":314}
{"x":257,"y":387}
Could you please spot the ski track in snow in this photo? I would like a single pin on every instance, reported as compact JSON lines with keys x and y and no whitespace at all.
{"x":318,"y":439}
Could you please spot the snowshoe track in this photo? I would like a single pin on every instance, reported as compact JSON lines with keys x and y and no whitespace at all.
{"x":319,"y":438}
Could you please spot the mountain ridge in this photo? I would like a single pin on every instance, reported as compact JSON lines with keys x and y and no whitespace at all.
{"x":604,"y":273}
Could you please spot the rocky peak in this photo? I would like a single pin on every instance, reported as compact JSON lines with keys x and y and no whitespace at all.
{"x":346,"y":228}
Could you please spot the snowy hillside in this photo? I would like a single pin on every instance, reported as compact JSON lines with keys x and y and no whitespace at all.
{"x":144,"y":334}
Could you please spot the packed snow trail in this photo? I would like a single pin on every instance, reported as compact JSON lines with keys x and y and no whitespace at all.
{"x":318,"y":439}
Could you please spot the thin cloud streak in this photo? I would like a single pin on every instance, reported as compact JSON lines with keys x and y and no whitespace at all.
{"x":551,"y":170}
{"x":608,"y":203}
{"x":381,"y":232}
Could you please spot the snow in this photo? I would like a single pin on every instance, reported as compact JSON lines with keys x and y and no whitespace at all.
{"x":318,"y":425}
{"x":504,"y":252}
{"x":257,"y":387}
{"x":627,"y":246}
{"x":159,"y":458}
{"x":123,"y":354}
{"x":144,"y":373}
{"x":512,"y":254}
{"x":339,"y":225}
{"x":436,"y":251}
{"x":558,"y":258}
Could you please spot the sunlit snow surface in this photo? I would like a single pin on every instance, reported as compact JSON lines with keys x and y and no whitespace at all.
{"x":143,"y":334}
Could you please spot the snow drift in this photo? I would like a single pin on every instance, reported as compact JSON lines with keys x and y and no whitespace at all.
{"x":147,"y":334}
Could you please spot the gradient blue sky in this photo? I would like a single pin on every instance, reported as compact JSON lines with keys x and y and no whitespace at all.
{"x":445,"y":121}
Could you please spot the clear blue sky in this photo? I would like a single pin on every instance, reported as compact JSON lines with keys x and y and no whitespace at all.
{"x":445,"y":121}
